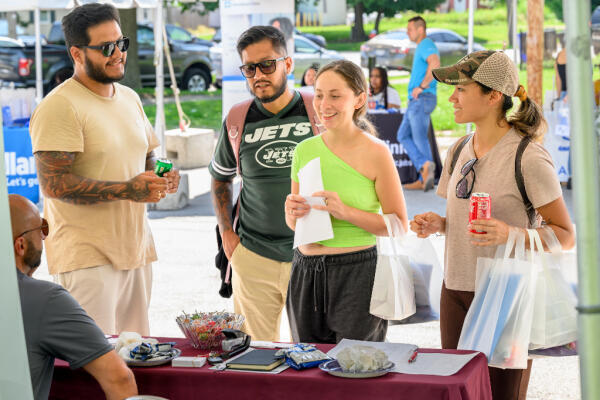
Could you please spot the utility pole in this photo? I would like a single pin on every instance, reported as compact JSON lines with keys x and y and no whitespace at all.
{"x":535,"y":49}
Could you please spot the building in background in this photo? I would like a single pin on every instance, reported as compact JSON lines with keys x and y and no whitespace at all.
{"x":326,"y":12}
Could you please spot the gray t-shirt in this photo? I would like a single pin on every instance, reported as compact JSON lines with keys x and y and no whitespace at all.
{"x":495,"y":175}
{"x":56,"y":327}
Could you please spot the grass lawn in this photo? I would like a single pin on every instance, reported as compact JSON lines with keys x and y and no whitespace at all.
{"x":202,"y":113}
{"x":149,"y":91}
{"x":490,"y":26}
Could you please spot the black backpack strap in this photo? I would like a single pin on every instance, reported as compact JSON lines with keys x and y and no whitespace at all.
{"x":457,"y":151}
{"x":521,"y":182}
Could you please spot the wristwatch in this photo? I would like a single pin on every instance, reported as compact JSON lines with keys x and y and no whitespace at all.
{"x":422,"y":88}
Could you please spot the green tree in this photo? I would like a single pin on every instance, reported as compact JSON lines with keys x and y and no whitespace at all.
{"x":129,"y":28}
{"x":557,"y":7}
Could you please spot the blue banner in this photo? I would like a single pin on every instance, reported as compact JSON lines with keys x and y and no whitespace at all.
{"x":20,"y":163}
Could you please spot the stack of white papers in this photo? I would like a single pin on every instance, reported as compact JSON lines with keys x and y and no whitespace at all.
{"x":316,"y":225}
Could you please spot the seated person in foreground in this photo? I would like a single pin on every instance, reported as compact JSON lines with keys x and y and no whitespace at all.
{"x":381,"y":94}
{"x":55,"y":324}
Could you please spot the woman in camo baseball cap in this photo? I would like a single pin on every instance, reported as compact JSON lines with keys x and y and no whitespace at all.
{"x":494,"y":71}
{"x":486,"y":162}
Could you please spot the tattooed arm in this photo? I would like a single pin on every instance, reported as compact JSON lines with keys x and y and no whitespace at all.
{"x":58,"y":182}
{"x":222,"y":198}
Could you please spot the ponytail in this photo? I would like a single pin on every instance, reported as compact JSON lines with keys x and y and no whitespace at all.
{"x":528,"y":120}
{"x":365,"y":125}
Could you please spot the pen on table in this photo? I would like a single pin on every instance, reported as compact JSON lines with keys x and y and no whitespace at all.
{"x":413,"y":356}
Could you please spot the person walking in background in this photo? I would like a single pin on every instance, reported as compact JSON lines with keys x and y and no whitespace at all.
{"x":560,"y":71}
{"x":93,"y":148}
{"x":332,"y":280}
{"x":381,"y":94}
{"x":560,"y":74}
{"x":308,"y":78}
{"x":260,"y":247}
{"x":422,"y":99}
{"x":485,"y":83}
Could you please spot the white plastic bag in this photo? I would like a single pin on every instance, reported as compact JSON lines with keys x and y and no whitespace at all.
{"x":555,"y":316}
{"x":557,"y":140}
{"x":393,"y":295}
{"x":499,"y":320}
{"x":428,"y":276}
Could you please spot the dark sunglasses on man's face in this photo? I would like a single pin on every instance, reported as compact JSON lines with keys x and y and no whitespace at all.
{"x":463,"y":187}
{"x":266,"y":67}
{"x":108,"y":49}
{"x":45,"y":228}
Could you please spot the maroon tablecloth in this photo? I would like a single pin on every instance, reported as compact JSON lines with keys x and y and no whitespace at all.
{"x":470,"y":383}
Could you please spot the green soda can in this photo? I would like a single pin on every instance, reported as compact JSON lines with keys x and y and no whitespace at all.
{"x":163,"y":165}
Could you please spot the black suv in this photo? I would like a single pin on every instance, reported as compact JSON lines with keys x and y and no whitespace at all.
{"x":17,"y":64}
{"x":190,"y":55}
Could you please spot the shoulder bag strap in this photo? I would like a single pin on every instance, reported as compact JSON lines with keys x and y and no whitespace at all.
{"x":521,"y":182}
{"x":235,"y":122}
{"x":457,"y":151}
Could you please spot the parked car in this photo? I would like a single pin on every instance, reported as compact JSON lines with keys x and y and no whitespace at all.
{"x":394,"y":50}
{"x":17,"y":64}
{"x":306,"y":53}
{"x":190,"y":55}
{"x":318,"y":39}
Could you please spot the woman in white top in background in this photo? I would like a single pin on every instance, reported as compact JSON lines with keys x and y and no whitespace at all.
{"x":381,"y":94}
{"x":308,"y":78}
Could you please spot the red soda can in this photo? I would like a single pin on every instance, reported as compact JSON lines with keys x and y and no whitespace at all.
{"x":480,"y":208}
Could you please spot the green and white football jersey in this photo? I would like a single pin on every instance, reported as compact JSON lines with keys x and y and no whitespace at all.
{"x":266,"y":152}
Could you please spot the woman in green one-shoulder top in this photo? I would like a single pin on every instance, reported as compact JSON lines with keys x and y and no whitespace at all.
{"x":331,"y":280}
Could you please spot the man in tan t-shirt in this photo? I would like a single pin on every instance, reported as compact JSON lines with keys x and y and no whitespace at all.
{"x":93,"y":146}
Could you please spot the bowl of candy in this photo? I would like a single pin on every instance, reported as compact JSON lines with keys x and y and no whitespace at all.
{"x":204,"y":329}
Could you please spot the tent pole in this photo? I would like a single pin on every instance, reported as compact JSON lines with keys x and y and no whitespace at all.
{"x":470,"y":41}
{"x":515,"y":38}
{"x":584,"y":144}
{"x":160,"y":78}
{"x":471,"y":22}
{"x":14,"y":365}
{"x":39,"y":89}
